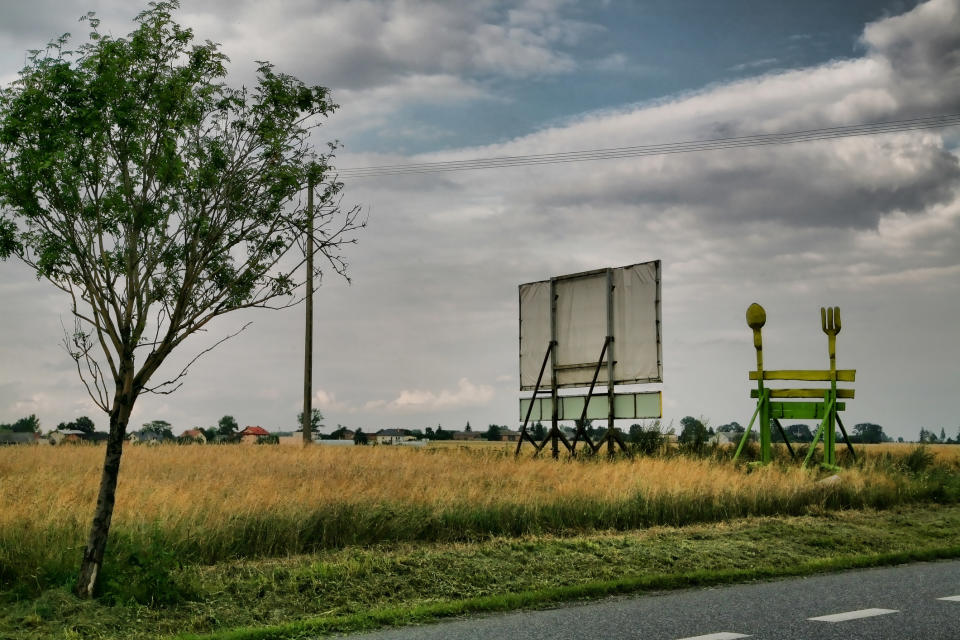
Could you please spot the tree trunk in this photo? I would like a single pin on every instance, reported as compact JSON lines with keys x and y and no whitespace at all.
{"x":97,"y":541}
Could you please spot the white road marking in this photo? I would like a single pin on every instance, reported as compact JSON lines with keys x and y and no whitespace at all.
{"x":951,"y":598}
{"x":722,"y":635}
{"x":853,"y":615}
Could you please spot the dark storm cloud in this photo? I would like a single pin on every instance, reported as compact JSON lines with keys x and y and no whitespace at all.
{"x":848,"y":184}
{"x":922,"y":48}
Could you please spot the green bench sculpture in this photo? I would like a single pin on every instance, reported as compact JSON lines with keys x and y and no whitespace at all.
{"x":821,"y":404}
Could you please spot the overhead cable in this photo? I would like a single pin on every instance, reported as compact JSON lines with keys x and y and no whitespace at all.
{"x":765,"y":139}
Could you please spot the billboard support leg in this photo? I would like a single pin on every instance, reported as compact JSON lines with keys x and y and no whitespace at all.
{"x":555,"y":437}
{"x":583,"y":415}
{"x":846,"y":438}
{"x":783,"y":434}
{"x":536,"y":390}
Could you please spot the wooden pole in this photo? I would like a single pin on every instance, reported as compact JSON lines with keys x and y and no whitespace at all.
{"x":308,"y":337}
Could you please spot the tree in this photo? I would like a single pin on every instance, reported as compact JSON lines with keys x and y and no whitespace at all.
{"x":539,"y":431}
{"x":647,"y":439}
{"x":799,"y":433}
{"x":733,"y":427}
{"x":693,"y":433}
{"x":467,"y":429}
{"x":493,"y":432}
{"x":160,"y":427}
{"x":227,"y":426}
{"x":315,"y":420}
{"x":360,"y":437}
{"x":158,"y":199}
{"x":83,"y":423}
{"x":30,"y":424}
{"x":869,"y":433}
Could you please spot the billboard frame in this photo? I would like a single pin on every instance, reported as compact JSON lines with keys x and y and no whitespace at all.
{"x":611,"y":437}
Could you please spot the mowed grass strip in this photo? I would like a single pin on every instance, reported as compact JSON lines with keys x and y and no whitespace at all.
{"x":366,"y":587}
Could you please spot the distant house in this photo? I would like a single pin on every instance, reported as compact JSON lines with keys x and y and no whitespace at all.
{"x":725,"y":437}
{"x":67,"y":436}
{"x":467,"y":435}
{"x":10,"y":437}
{"x":193,"y":435}
{"x":392,"y":436}
{"x":506,"y":435}
{"x":250,"y":434}
{"x":146,"y":437}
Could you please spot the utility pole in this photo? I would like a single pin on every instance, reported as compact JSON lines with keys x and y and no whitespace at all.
{"x":308,"y":338}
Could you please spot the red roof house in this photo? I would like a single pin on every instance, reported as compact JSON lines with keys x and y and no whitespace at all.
{"x":250,"y":434}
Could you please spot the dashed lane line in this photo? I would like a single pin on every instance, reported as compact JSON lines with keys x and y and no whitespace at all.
{"x":722,"y":635}
{"x":853,"y":615}
{"x":950,"y":598}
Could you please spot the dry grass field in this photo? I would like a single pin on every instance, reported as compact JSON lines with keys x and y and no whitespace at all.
{"x":207,"y":503}
{"x":209,"y":538}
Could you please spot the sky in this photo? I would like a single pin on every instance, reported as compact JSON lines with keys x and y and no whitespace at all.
{"x":426,"y":332}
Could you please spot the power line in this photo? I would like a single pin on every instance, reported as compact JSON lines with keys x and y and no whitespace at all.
{"x":792,"y":137}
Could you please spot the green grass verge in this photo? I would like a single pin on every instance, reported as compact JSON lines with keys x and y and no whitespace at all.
{"x":398,"y":616}
{"x":362,"y":588}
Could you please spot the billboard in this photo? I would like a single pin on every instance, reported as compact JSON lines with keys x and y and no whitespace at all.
{"x":647,"y":404}
{"x":581,"y":310}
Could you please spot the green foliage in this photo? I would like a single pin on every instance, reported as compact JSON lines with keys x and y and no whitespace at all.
{"x":158,"y":197}
{"x":647,"y":439}
{"x":145,"y":575}
{"x":83,"y":423}
{"x":539,"y":432}
{"x":693,"y":434}
{"x":316,"y":421}
{"x":360,"y":437}
{"x":492,"y":433}
{"x":271,"y":439}
{"x":733,"y":427}
{"x":160,"y":427}
{"x":29,"y":424}
{"x":869,"y":433}
{"x":227,"y":426}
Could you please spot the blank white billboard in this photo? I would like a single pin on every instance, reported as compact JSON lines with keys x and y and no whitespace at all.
{"x":582,"y":302}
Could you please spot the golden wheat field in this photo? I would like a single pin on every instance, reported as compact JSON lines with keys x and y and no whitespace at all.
{"x":213,"y":502}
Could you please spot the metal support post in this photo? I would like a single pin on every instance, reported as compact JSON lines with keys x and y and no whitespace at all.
{"x":610,"y":352}
{"x":554,"y":422}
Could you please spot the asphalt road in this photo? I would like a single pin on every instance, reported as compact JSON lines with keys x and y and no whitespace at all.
{"x":891,"y":603}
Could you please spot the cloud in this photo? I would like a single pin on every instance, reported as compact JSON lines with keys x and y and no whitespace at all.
{"x":363,"y":44}
{"x":871,"y":224}
{"x":369,"y":108}
{"x":467,"y":394}
{"x":328,"y":401}
{"x":849,"y":183}
{"x":612,"y":62}
{"x":921,"y":49}
{"x":755,"y":64}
